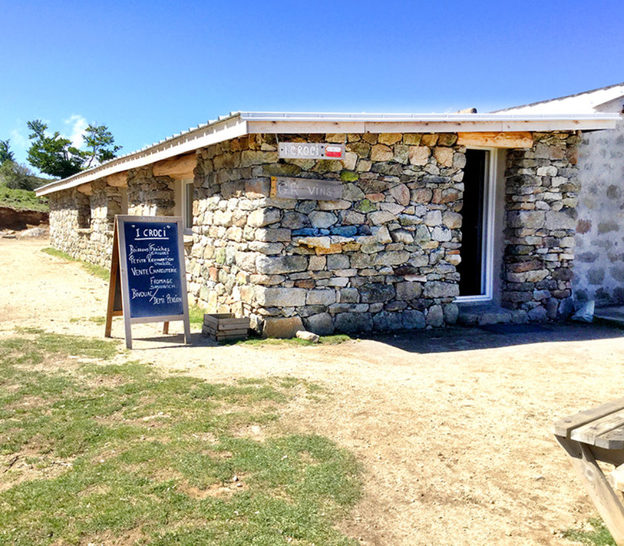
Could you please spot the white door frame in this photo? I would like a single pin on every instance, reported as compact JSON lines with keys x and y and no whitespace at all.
{"x":489,"y":210}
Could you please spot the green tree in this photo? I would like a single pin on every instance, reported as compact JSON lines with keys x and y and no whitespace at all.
{"x":19,"y":177}
{"x":100,"y":145}
{"x":53,"y":155}
{"x":5,"y":152}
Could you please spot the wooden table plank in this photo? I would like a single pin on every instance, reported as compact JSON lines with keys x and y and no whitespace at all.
{"x":600,"y":491}
{"x":612,"y":440}
{"x":589,"y":432}
{"x":564,"y":426}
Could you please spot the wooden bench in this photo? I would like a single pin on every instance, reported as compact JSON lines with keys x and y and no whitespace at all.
{"x":592,"y":436}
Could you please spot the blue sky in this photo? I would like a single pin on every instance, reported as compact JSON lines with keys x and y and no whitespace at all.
{"x":151,"y":69}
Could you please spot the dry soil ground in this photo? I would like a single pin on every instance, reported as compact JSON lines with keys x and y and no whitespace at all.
{"x":452,"y":428}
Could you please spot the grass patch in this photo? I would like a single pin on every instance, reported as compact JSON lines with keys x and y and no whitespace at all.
{"x":324,"y":340}
{"x":96,"y":270}
{"x":22,"y":199}
{"x":196,"y":315}
{"x":119,"y":453}
{"x":99,"y":320}
{"x":597,"y":534}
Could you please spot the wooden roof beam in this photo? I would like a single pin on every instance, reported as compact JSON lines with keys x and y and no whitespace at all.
{"x":178,"y":168}
{"x":522,"y":139}
{"x":118,"y":180}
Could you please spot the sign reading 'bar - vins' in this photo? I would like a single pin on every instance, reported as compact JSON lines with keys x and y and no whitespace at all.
{"x":148,"y":266}
{"x":310,"y":150}
{"x":305,"y":188}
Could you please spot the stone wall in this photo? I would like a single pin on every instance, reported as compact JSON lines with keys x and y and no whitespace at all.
{"x":150,"y":195}
{"x":383,"y":257}
{"x":540,"y":218}
{"x":599,"y":268}
{"x":82,"y":225}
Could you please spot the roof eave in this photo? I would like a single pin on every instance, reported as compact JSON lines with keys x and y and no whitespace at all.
{"x":242,"y":123}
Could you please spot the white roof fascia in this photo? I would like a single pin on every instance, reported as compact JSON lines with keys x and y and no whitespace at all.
{"x":242,"y":123}
{"x":190,"y":141}
{"x":585,"y":102}
{"x":424,"y":123}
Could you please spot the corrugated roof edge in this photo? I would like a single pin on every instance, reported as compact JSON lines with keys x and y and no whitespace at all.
{"x":235,"y":124}
{"x":557,"y":98}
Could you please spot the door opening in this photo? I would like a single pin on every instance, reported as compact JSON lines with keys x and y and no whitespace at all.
{"x":473,"y":268}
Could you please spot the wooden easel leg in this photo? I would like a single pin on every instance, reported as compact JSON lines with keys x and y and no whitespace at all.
{"x":128,"y":327}
{"x":165,"y":327}
{"x":187,"y":330}
{"x":600,"y":491}
{"x":112,"y":285}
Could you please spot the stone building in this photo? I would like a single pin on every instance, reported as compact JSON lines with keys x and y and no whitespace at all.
{"x":599,"y":267}
{"x":429,"y":214}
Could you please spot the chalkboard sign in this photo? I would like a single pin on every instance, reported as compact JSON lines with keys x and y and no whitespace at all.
{"x":148,"y":265}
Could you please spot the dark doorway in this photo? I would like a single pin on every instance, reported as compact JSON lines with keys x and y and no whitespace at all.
{"x":471,"y":267}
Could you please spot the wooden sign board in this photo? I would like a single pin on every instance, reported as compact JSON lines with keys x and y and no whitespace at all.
{"x":310,"y":150}
{"x":148,"y":277}
{"x":305,"y":188}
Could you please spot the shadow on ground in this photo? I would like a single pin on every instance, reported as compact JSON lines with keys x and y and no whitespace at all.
{"x":459,"y":338}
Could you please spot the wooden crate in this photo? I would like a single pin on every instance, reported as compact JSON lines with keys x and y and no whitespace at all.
{"x":225,"y":327}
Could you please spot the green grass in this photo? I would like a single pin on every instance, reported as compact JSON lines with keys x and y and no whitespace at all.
{"x":196,"y":315}
{"x":324,"y":340}
{"x":598,"y":535}
{"x":96,"y":451}
{"x":99,"y":320}
{"x":96,"y":270}
{"x":22,"y":200}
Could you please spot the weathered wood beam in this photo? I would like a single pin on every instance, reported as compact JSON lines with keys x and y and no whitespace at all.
{"x":118,"y":180}
{"x":87,"y":189}
{"x":496,"y":140}
{"x":179,"y":168}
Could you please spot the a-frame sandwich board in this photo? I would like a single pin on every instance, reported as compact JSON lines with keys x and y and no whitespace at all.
{"x":148,"y":275}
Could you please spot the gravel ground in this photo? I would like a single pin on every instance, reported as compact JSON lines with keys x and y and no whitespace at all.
{"x":453,"y":428}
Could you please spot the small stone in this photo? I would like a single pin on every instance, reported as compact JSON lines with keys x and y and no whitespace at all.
{"x":401,"y":194}
{"x":321,"y":324}
{"x":402,"y":236}
{"x":444,"y":156}
{"x":452,"y":220}
{"x":435,"y":316}
{"x":381,"y":152}
{"x":263,"y":217}
{"x":381,"y":217}
{"x":317,"y":263}
{"x":280,"y":297}
{"x":282,"y":328}
{"x":321,"y":297}
{"x":438,"y":289}
{"x":408,"y":290}
{"x":275,"y":265}
{"x":547,"y":171}
{"x":382,"y":234}
{"x":419,"y":155}
{"x":433,"y":218}
{"x":322,"y":219}
{"x":308,"y":336}
{"x":390,"y":138}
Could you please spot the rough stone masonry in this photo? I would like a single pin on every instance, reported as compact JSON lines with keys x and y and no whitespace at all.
{"x":381,"y":258}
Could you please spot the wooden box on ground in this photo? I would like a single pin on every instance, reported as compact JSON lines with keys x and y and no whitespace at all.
{"x":225,"y":327}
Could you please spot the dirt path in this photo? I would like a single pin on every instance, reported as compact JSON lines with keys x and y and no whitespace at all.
{"x":453,"y":429}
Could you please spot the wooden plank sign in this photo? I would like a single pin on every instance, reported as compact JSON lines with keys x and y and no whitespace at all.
{"x":310,"y":150}
{"x":148,"y":266}
{"x":305,"y":188}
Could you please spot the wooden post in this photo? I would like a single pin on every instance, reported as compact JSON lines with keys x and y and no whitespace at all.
{"x":112,"y":285}
{"x":600,"y":491}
